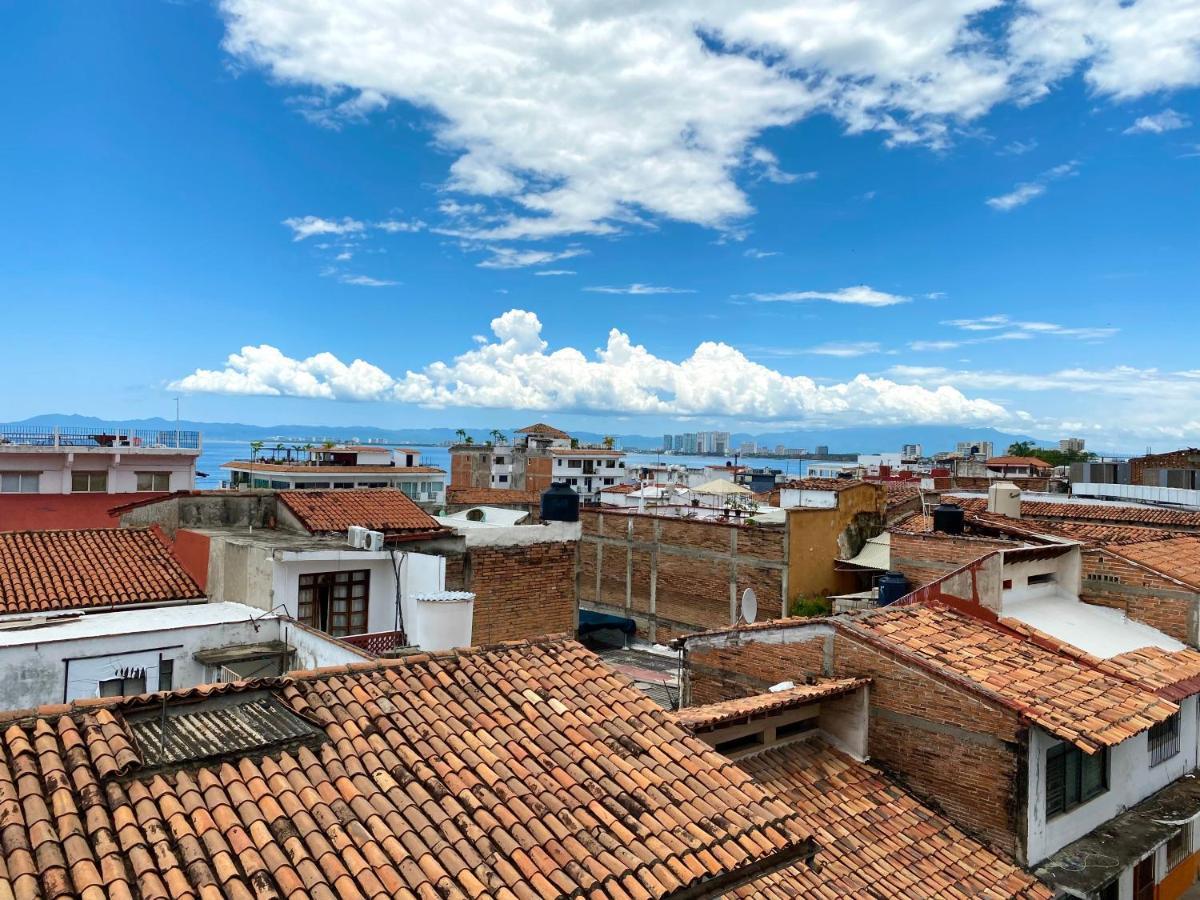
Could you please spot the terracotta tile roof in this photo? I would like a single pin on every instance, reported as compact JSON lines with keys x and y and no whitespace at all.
{"x":620,"y":489}
{"x":1170,"y":675}
{"x":1095,"y":512}
{"x":54,"y":570}
{"x":1102,"y":532}
{"x":874,"y":839}
{"x":519,"y":772}
{"x":699,"y":719}
{"x":381,"y":509}
{"x":1018,"y":461}
{"x":543,"y":429}
{"x":491,"y":496}
{"x":822,"y":484}
{"x":1177,"y":557}
{"x":302,"y":469}
{"x":1071,"y":699}
{"x":584,"y":451}
{"x":900,"y":492}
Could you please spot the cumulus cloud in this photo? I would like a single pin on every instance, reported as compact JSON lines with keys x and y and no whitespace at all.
{"x":639,"y":289}
{"x":1167,"y":120}
{"x":585,"y":118}
{"x":860,"y":295}
{"x":516,"y":369}
{"x":1023,"y":193}
{"x":309,"y":226}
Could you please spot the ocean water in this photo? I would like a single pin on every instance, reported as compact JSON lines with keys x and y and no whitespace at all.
{"x":217,"y":452}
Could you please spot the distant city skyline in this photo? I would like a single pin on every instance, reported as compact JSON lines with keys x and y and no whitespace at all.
{"x":787,"y":223}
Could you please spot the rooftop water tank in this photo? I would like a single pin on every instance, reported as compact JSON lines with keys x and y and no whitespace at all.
{"x":948,"y":518}
{"x":1004,"y":498}
{"x":560,"y":504}
{"x":892,"y":586}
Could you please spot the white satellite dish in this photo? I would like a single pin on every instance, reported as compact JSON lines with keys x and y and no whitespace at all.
{"x":749,"y":605}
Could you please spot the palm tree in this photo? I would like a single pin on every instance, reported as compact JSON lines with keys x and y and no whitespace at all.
{"x":609,"y":441}
{"x":255,"y":449}
{"x":498,"y":436}
{"x":461,"y":434}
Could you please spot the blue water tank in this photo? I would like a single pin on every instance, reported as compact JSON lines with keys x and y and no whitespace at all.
{"x":560,"y":504}
{"x":892,"y":586}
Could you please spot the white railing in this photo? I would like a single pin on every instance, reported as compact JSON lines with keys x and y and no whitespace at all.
{"x":1142,"y":493}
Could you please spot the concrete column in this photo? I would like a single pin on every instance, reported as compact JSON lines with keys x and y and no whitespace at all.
{"x":653,"y":630}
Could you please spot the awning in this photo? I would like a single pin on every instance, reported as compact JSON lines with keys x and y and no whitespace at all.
{"x":590,"y":621}
{"x":875,"y":554}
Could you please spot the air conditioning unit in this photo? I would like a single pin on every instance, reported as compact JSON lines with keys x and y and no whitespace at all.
{"x":356,"y":536}
{"x":373,"y":540}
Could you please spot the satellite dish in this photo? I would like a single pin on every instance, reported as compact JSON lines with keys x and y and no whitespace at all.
{"x":749,"y":605}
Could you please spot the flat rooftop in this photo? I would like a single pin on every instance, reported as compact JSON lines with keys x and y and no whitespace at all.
{"x":76,"y":626}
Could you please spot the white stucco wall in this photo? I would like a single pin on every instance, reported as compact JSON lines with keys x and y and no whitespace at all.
{"x":791,"y":497}
{"x":1130,"y":780}
{"x":121,"y":465}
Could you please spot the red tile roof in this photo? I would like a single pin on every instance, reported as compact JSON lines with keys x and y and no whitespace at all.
{"x":699,"y":719}
{"x":1031,"y":461}
{"x":517,"y":773}
{"x":543,"y":429}
{"x":1095,"y":512}
{"x":874,"y":839}
{"x":1072,"y":699}
{"x":1170,"y":675}
{"x":584,"y":451}
{"x":1176,"y":557}
{"x":491,"y":496}
{"x":822,"y":484}
{"x":380,"y":509}
{"x":54,"y":570}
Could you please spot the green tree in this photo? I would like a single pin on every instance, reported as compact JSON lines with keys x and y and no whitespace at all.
{"x":1022,"y":448}
{"x":255,"y":449}
{"x":609,"y":442}
{"x":498,"y":436}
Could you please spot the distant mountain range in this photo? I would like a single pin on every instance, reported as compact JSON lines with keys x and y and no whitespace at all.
{"x":873,"y":439}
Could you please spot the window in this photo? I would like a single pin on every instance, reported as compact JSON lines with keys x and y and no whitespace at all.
{"x":1073,"y":777}
{"x":281,"y":485}
{"x":123,"y":687}
{"x":574,"y":463}
{"x":502,"y":478}
{"x":1143,"y":879}
{"x":1163,"y":740}
{"x":335,"y":602}
{"x":153,"y":481}
{"x":1043,"y":578}
{"x":499,"y":460}
{"x":1179,"y":847}
{"x":343,"y":484}
{"x":89,"y":482}
{"x":435,"y":487}
{"x":1007,"y":585}
{"x":409,"y":488}
{"x":19,"y":482}
{"x":166,"y":674}
{"x":263,"y":483}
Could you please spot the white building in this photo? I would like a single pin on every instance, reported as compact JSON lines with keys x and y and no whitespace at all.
{"x":587,"y":470}
{"x":67,"y":460}
{"x":353,"y":466}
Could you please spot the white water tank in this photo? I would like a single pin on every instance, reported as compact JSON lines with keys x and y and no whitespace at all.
{"x":356,"y":536}
{"x":443,"y":620}
{"x":1004,"y":498}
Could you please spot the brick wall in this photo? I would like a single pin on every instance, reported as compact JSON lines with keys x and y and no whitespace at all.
{"x":470,"y":467}
{"x":520,"y":592}
{"x":1141,"y":594}
{"x":675,"y":576}
{"x":923,"y":558}
{"x":1179,"y":459}
{"x":952,"y":747}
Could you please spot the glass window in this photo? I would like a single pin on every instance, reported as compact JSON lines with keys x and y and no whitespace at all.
{"x":123,"y":687}
{"x":166,"y":674}
{"x":335,"y":602}
{"x":111,"y":687}
{"x":1073,"y":777}
{"x":19,"y":482}
{"x":502,"y":478}
{"x":153,"y":481}
{"x":281,"y":485}
{"x":1163,"y":740}
{"x":435,"y":487}
{"x":89,"y":482}
{"x":343,"y":484}
{"x":574,"y":463}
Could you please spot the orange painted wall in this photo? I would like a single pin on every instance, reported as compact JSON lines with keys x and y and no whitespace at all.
{"x":1178,"y":880}
{"x":191,"y":549}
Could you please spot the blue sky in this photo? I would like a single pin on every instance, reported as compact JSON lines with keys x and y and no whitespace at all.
{"x":786,"y":214}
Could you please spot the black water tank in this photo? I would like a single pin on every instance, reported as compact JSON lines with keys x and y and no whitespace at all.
{"x":948,"y":518}
{"x":892,"y":586}
{"x":560,"y":504}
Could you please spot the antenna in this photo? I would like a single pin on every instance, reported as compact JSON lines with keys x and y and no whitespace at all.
{"x":749,"y":608}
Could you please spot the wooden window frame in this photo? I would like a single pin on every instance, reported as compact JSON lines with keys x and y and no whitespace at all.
{"x":347,"y":601}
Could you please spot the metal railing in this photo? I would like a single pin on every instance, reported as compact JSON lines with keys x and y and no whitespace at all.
{"x":117,"y":436}
{"x":377,"y":643}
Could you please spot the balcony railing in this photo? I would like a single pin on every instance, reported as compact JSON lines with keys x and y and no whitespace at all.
{"x":75,"y":436}
{"x":377,"y":643}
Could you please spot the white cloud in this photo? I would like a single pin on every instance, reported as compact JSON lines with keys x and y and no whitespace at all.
{"x":862,"y":295}
{"x":845,"y":350}
{"x":1167,"y":120}
{"x":515,"y":369}
{"x":398,"y":226}
{"x":308,"y":226}
{"x":753,"y":253}
{"x":1011,"y":329}
{"x":552,"y":272}
{"x":366,"y":281}
{"x":586,"y":118}
{"x":512,"y":258}
{"x":344,"y":256}
{"x":639,"y":289}
{"x":1018,"y":196}
{"x":1023,"y":193}
{"x":1018,"y":148}
{"x":935,"y":295}
{"x":769,"y":168}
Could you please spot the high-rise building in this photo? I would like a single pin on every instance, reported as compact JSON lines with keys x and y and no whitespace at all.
{"x":1071,"y":445}
{"x":822,"y":450}
{"x":974,"y":449}
{"x":667,"y":443}
{"x":748,"y":447}
{"x":911,"y":451}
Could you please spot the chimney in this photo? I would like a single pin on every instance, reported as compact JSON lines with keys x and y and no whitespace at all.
{"x":443,"y":620}
{"x":1004,"y":498}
